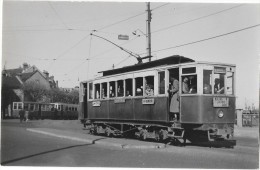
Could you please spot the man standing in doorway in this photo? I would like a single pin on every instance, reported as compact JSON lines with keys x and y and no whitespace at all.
{"x":175,"y":104}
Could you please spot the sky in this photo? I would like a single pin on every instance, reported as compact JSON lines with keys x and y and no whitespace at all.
{"x":55,"y":36}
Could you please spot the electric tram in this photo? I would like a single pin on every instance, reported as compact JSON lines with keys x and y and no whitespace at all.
{"x":136,"y":100}
{"x":46,"y":110}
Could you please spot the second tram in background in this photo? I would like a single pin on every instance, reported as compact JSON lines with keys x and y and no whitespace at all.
{"x":136,"y":100}
{"x":46,"y":110}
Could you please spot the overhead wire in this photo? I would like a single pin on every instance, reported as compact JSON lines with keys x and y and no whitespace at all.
{"x":206,"y":39}
{"x":189,"y":21}
{"x":57,"y":14}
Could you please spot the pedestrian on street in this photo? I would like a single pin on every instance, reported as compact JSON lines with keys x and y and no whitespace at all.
{"x":21,"y":114}
{"x":26,"y":116}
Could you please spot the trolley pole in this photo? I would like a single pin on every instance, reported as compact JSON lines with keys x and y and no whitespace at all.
{"x":148,"y":21}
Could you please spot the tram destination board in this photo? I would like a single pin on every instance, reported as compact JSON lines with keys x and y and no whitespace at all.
{"x":220,"y":102}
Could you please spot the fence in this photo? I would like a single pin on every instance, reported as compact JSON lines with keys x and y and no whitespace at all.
{"x":250,"y":120}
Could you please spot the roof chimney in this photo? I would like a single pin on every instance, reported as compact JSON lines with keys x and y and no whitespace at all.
{"x":46,"y":74}
{"x":25,"y":66}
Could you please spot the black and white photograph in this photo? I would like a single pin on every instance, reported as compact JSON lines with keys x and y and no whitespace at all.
{"x":130,"y":84}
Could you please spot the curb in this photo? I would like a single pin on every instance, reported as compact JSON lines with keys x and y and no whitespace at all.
{"x":99,"y":141}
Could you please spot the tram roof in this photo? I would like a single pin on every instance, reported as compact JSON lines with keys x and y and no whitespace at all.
{"x":175,"y":59}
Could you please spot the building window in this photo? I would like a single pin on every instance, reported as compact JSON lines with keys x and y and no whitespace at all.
{"x":129,"y":87}
{"x":15,"y":106}
{"x":139,"y":86}
{"x":20,"y":106}
{"x":161,"y":82}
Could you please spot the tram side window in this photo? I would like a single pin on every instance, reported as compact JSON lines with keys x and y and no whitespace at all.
{"x":189,"y":84}
{"x":104,"y":90}
{"x":161,"y":85}
{"x":207,"y":77}
{"x":219,"y":83}
{"x":90,"y":91}
{"x":120,"y":88}
{"x":31,"y":107}
{"x":149,"y":85}
{"x":36,"y":107}
{"x":230,"y":80}
{"x":26,"y":106}
{"x":112,"y":87}
{"x":139,"y":86}
{"x":97,"y":91}
{"x":129,"y":87}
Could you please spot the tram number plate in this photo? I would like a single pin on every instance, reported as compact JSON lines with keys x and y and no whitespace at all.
{"x":220,"y":102}
{"x":119,"y":101}
{"x":96,"y":103}
{"x":148,"y":101}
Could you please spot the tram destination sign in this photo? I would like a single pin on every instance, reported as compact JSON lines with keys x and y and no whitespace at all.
{"x":220,"y":102}
{"x":123,"y":37}
{"x":148,"y":101}
{"x":219,"y":70}
{"x":96,"y":103}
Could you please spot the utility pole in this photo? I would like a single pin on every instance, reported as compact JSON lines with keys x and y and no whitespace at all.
{"x":148,"y":21}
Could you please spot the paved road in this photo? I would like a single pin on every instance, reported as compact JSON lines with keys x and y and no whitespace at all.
{"x":24,"y":148}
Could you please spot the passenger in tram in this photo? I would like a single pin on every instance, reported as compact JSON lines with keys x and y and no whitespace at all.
{"x":185,"y":85}
{"x":149,"y":90}
{"x":193,"y":84}
{"x":174,"y":93}
{"x":206,"y":88}
{"x":219,"y":86}
{"x":139,"y":91}
{"x":120,"y":91}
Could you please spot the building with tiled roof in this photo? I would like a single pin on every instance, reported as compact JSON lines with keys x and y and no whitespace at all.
{"x":14,"y":79}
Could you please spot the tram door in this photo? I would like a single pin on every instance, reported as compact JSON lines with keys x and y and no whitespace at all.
{"x":83,"y":103}
{"x":174,"y":105}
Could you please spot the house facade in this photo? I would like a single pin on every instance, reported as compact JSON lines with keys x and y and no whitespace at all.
{"x":13,"y":81}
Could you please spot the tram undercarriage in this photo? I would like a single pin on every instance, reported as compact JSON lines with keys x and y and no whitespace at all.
{"x":166,"y":132}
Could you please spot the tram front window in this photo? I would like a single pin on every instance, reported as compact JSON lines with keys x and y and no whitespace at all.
{"x":207,"y":86}
{"x":219,"y":84}
{"x":230,"y":79}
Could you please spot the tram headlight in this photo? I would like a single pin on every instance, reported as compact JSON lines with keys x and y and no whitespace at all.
{"x":220,"y":114}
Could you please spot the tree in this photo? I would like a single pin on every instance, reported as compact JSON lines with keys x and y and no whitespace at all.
{"x":36,"y":92}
